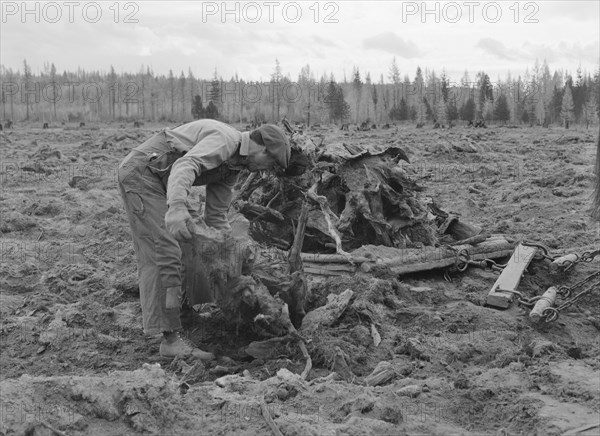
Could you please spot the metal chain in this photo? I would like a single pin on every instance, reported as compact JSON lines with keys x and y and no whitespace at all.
{"x":587,"y":256}
{"x":544,"y":250}
{"x":462,"y":261}
{"x":552,"y":313}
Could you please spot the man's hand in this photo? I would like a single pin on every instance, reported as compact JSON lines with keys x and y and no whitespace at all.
{"x":178,"y":221}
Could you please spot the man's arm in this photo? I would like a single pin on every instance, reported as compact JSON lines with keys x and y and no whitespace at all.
{"x":181,"y":179}
{"x":209,"y":153}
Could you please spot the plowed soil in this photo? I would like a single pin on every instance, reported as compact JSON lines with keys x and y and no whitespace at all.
{"x":73,"y":356}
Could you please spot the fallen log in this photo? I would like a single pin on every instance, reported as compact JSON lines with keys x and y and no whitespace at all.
{"x":443,"y":258}
{"x":324,"y":272}
{"x":333,"y":258}
{"x":405,"y":261}
{"x":331,"y":267}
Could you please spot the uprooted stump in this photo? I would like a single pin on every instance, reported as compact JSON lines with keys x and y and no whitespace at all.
{"x":360,"y":196}
{"x":224,"y":271}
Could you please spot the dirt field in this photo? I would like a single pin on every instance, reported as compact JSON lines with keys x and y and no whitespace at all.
{"x":73,"y":356}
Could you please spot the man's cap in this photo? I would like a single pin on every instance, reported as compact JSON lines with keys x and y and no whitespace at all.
{"x":276,"y":143}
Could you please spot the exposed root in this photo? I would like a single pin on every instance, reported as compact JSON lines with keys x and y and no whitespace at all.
{"x":268,"y":419}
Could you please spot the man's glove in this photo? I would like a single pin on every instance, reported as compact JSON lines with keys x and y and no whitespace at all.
{"x":178,"y":221}
{"x":181,"y":225}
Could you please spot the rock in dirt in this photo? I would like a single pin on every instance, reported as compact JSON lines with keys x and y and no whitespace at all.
{"x":16,"y":222}
{"x":46,"y":152}
{"x":361,"y":335}
{"x":383,"y":373}
{"x":540,"y":347}
{"x":83,"y":183}
{"x":42,"y":208}
{"x":414,"y":349}
{"x":375,"y":335}
{"x":462,"y":382}
{"x":328,"y":314}
{"x":234,"y":383}
{"x":54,"y":331}
{"x":283,"y":386}
{"x":412,"y":391}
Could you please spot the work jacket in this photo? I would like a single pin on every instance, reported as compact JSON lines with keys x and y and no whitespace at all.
{"x":203,"y":152}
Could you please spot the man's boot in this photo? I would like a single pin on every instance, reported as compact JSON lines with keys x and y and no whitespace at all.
{"x":174,"y":345}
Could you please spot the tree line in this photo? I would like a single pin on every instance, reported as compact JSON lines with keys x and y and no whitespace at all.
{"x":538,"y":97}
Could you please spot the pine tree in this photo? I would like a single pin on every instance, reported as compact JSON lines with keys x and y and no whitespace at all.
{"x":27,"y":85}
{"x":307,"y":84}
{"x":55,"y":88}
{"x":197,"y":108}
{"x":445,"y":86}
{"x":566,"y":109}
{"x":441,"y":112}
{"x":375,"y":99}
{"x":485,"y":93}
{"x":182,"y":93}
{"x":420,"y":102}
{"x":452,"y":111}
{"x":501,"y":111}
{"x":403,"y":110}
{"x":172,"y":91}
{"x":555,"y":104}
{"x":191,"y":80}
{"x":368,"y":88}
{"x":275,"y":94}
{"x":394,"y":76}
{"x":112,"y":94}
{"x":339,"y":109}
{"x":214,"y":94}
{"x":211,"y":111}
{"x":467,"y":110}
{"x":357,"y":85}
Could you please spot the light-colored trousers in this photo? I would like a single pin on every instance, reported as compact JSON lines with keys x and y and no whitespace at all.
{"x":158,"y":253}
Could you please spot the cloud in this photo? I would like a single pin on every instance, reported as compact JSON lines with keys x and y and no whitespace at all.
{"x":392,"y":43}
{"x":577,"y":52}
{"x":324,"y":42}
{"x":577,"y":11}
{"x":495,"y":48}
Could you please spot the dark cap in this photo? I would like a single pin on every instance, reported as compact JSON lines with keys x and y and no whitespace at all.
{"x":276,"y":143}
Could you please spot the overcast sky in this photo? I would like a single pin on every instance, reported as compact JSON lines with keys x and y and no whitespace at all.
{"x":332,"y":37}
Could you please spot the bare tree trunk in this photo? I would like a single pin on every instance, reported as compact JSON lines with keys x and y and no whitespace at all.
{"x":596,"y":206}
